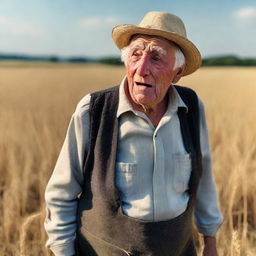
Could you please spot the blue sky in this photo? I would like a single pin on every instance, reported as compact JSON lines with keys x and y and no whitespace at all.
{"x":83,"y":27}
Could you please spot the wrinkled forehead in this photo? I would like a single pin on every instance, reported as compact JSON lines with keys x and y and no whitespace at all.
{"x":151,"y":43}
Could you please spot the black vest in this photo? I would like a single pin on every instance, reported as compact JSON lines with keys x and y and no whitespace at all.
{"x":102,"y":228}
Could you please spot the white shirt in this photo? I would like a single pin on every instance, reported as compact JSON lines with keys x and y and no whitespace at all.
{"x":152,"y":172}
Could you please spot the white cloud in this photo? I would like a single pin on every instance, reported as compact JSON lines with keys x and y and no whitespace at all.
{"x":246,"y":13}
{"x":111,"y":20}
{"x":90,"y":22}
{"x":19,"y":28}
{"x":96,"y":22}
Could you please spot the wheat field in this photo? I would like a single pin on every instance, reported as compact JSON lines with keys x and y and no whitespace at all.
{"x":36,"y":103}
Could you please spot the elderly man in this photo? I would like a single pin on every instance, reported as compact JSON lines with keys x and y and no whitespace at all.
{"x":135,"y":165}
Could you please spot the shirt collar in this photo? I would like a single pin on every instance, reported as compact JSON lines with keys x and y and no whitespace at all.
{"x":124,"y":104}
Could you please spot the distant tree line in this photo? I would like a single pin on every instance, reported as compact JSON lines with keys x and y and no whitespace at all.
{"x":229,"y":60}
{"x":38,"y":58}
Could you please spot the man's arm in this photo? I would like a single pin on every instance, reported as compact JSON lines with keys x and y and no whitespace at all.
{"x":210,"y":248}
{"x":207,"y":213}
{"x":65,"y":184}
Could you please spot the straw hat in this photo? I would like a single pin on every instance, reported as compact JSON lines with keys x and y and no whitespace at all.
{"x":165,"y":25}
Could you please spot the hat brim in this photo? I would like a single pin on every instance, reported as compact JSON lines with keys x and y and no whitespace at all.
{"x":121,"y":35}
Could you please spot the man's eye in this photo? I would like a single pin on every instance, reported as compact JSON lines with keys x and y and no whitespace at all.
{"x":156,"y":58}
{"x":135,"y":54}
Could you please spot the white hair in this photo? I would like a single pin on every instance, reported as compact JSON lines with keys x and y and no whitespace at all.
{"x":179,"y":56}
{"x":124,"y":54}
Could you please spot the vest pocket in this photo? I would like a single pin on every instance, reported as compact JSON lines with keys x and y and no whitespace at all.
{"x":102,"y":247}
{"x":182,"y":170}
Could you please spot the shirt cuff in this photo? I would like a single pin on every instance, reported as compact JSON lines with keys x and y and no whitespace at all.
{"x":67,"y":249}
{"x":209,"y":230}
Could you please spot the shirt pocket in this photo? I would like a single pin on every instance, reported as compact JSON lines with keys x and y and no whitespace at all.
{"x":182,"y":171}
{"x":126,"y":179}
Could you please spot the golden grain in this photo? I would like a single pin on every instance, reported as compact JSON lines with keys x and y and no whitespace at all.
{"x":36,"y":103}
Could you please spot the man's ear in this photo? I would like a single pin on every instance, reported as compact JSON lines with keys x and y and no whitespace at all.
{"x":179,"y":74}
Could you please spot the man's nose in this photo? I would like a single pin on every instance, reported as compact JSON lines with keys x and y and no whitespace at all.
{"x":143,"y":68}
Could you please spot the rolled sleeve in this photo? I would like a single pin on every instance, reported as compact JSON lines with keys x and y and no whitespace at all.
{"x":65,"y":184}
{"x":207,"y":212}
{"x":66,"y":249}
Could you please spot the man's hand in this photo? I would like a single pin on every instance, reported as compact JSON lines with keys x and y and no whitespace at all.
{"x":210,"y":246}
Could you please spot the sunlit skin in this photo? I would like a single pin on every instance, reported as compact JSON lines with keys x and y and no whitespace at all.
{"x":150,"y":73}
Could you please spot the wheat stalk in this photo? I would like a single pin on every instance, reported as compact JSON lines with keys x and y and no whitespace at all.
{"x":25,"y":231}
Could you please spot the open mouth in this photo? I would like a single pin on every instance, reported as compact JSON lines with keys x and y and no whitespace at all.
{"x":144,"y":84}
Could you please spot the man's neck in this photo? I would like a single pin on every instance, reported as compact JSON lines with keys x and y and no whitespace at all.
{"x":155,"y":113}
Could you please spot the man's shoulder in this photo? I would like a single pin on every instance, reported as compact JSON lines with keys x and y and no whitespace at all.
{"x":188,"y":96}
{"x":108,"y":98}
{"x":83,"y":105}
{"x":185,"y":90}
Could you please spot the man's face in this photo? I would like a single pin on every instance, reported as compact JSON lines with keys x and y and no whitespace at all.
{"x":149,"y":66}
